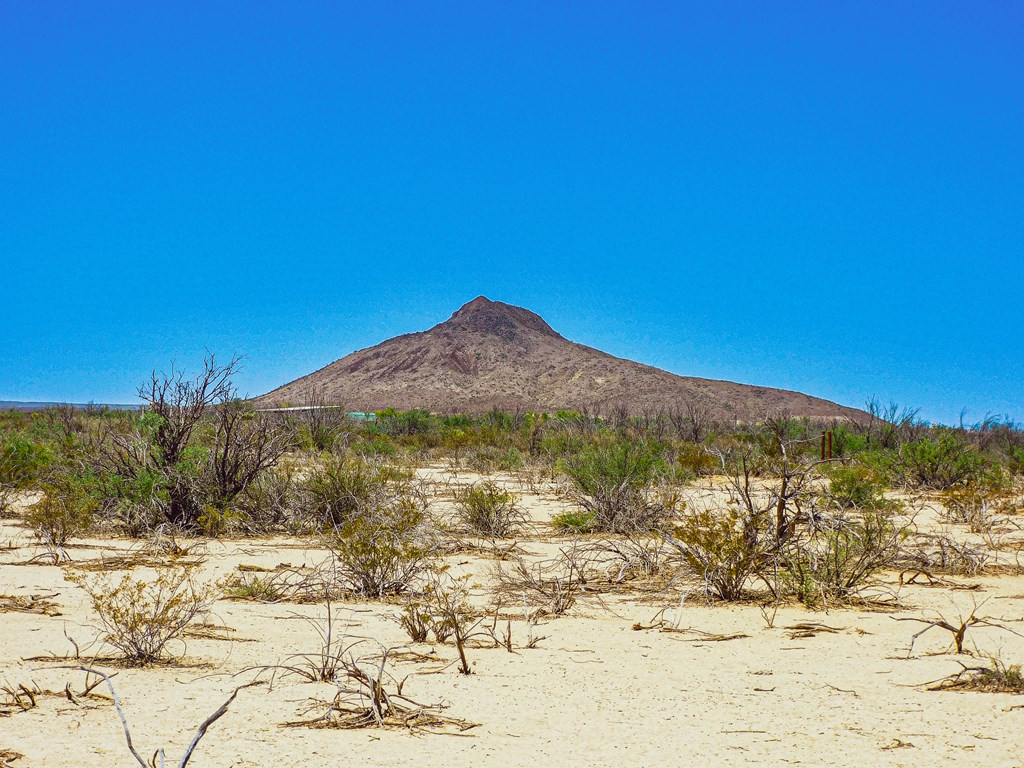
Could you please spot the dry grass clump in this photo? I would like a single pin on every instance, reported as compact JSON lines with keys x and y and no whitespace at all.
{"x":998,"y":678}
{"x":140,"y":617}
{"x":283,"y":584}
{"x":370,"y":696}
{"x":41,"y":604}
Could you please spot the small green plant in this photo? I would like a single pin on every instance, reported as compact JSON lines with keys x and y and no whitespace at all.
{"x":139,"y":618}
{"x":575,"y":521}
{"x":487,"y":509}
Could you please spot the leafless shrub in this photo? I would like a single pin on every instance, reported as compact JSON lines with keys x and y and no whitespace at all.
{"x":956,"y":627}
{"x":552,"y":584}
{"x":370,"y":696}
{"x":999,"y":677}
{"x":945,"y":554}
{"x":835,"y":561}
{"x":620,"y":560}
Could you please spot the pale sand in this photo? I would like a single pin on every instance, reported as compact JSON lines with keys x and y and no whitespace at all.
{"x":595,"y":693}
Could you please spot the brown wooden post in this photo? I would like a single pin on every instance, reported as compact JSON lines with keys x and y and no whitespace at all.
{"x":830,"y":443}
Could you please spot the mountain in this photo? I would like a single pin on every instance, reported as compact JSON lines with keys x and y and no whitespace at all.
{"x":494,"y":355}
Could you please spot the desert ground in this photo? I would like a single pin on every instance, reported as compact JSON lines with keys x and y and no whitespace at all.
{"x":641,"y":673}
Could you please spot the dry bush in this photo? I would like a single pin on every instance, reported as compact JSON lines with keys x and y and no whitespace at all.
{"x":552,"y":584}
{"x":630,"y":558}
{"x":283,"y":584}
{"x":140,"y":617}
{"x":726,"y":547}
{"x":945,"y":554}
{"x":444,"y":609}
{"x":487,"y":509}
{"x":370,"y":696}
{"x":957,"y":627}
{"x":835,"y":561}
{"x":1000,"y":677}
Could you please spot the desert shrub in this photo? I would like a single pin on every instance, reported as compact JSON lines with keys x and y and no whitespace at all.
{"x":553,"y":583}
{"x":270,"y":502}
{"x":976,"y":501}
{"x":383,"y":547}
{"x":140,"y":617}
{"x":855,"y":486}
{"x":22,"y":461}
{"x":443,"y":608}
{"x":939,"y":462}
{"x":725,"y":547}
{"x":66,"y":511}
{"x":613,"y":483}
{"x":341,"y":488}
{"x":834,"y":562}
{"x":488,"y":509}
{"x":694,"y":460}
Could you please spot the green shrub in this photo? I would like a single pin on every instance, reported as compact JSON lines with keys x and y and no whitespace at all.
{"x":938,"y":463}
{"x":855,"y":486}
{"x":725,"y":547}
{"x":66,"y":511}
{"x":489,"y":510}
{"x":341,"y":488}
{"x":383,"y":547}
{"x":613,"y":483}
{"x":23,"y":461}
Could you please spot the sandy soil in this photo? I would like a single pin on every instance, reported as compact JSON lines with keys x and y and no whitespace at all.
{"x":596,"y":692}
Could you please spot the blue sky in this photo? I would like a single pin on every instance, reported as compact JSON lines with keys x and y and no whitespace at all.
{"x":826,"y":197}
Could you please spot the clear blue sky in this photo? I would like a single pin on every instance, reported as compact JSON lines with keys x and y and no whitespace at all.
{"x":826,"y":197}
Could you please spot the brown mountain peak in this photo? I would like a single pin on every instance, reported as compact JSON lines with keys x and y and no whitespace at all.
{"x":481,"y":315}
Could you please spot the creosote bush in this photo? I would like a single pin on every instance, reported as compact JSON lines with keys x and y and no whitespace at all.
{"x":487,"y":509}
{"x":725,"y":547}
{"x":140,"y":617}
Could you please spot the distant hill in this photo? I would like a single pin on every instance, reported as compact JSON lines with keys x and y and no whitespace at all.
{"x":494,"y":355}
{"x":29,"y":405}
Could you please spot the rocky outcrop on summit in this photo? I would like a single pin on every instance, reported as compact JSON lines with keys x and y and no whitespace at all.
{"x":495,"y":355}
